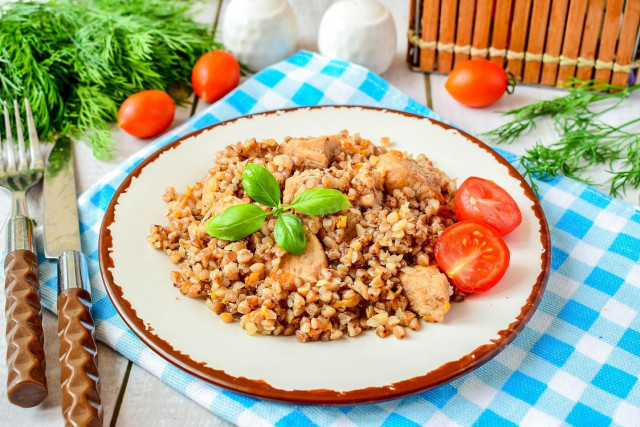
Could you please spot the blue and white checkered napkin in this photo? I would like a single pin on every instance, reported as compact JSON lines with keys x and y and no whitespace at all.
{"x":577,"y":361}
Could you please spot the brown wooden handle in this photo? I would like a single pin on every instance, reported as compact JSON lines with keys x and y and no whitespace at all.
{"x":26,"y":380}
{"x":81,"y":404}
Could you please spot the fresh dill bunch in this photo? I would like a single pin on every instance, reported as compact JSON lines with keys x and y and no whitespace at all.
{"x":575,"y":105}
{"x":77,"y":60}
{"x":584,"y":142}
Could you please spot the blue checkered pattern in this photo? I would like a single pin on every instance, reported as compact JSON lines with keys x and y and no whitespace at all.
{"x":577,"y":361}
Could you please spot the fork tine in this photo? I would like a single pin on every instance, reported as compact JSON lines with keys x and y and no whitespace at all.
{"x":11,"y":155}
{"x":34,"y":142}
{"x":22,"y":155}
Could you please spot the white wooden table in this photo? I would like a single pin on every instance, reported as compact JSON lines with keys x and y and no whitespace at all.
{"x":132,"y":396}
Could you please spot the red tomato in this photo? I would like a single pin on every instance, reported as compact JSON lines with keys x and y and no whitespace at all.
{"x":147,"y":113}
{"x":486,"y":201}
{"x":473,"y":255}
{"x":477,"y":82}
{"x":215,"y":74}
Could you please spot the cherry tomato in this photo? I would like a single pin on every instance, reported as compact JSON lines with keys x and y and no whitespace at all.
{"x":215,"y":74}
{"x":473,"y":255}
{"x":486,"y":201}
{"x":147,"y":113}
{"x":477,"y":82}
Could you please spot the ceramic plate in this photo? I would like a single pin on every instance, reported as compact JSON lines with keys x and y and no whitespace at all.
{"x":362,"y":369}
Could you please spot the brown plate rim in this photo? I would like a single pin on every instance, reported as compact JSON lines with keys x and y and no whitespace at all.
{"x":259,"y":388}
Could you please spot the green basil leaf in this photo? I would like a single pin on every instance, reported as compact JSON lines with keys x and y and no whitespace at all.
{"x":236,"y":222}
{"x":320,"y":201}
{"x":289,"y":234}
{"x":261,"y":185}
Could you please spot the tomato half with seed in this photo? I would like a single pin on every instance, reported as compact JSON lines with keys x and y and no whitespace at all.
{"x":473,"y":255}
{"x":146,"y":114}
{"x":484,"y":200}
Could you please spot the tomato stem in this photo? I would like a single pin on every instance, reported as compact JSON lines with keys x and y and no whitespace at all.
{"x":511,"y":82}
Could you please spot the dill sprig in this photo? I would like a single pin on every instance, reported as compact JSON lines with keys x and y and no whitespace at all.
{"x":584,"y":142}
{"x":77,"y":60}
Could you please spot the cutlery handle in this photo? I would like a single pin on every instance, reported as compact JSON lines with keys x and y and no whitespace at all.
{"x":79,"y":379}
{"x":26,"y":380}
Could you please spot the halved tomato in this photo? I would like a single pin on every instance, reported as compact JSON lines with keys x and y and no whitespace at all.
{"x":473,"y":255}
{"x":484,"y":200}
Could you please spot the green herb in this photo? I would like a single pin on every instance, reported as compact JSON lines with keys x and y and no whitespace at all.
{"x":239,"y":221}
{"x":584,"y":141}
{"x":77,"y":60}
{"x":289,"y":234}
{"x":320,"y":201}
{"x":261,"y":185}
{"x":236,"y":222}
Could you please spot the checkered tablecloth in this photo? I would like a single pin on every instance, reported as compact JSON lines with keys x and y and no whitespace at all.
{"x":576,"y":362}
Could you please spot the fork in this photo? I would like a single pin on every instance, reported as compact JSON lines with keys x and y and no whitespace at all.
{"x":26,"y":380}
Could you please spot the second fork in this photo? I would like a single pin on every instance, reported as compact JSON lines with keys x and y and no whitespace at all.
{"x":26,"y":380}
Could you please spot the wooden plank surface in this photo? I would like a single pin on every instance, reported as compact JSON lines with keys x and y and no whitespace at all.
{"x":518,"y":42}
{"x":593,"y":23}
{"x":446,"y":34}
{"x":500,"y":33}
{"x":572,"y":38}
{"x":537,"y":37}
{"x":482,"y":26}
{"x":627,"y":41}
{"x":554,"y":40}
{"x":609,"y":37}
{"x":413,"y":23}
{"x":430,"y":19}
{"x":464,"y":31}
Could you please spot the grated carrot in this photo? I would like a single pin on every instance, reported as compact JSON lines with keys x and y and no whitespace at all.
{"x":252,"y":278}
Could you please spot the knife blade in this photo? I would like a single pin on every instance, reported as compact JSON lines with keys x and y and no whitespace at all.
{"x":62,"y":232}
{"x":79,"y":379}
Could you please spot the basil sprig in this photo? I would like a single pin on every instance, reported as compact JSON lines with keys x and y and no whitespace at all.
{"x":239,"y":221}
{"x":289,"y":231}
{"x":236,"y":222}
{"x":320,"y":201}
{"x":260,"y":185}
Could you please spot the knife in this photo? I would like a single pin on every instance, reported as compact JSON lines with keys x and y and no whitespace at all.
{"x":79,"y":379}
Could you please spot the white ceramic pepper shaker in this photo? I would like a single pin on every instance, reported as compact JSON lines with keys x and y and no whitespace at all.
{"x":361,"y":31}
{"x":260,"y":32}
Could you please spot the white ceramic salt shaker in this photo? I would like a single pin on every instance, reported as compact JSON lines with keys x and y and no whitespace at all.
{"x":361,"y":31}
{"x":260,"y":32}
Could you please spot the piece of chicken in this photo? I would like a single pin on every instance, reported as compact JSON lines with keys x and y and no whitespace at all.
{"x":300,"y":182}
{"x":316,"y":152}
{"x":400,"y":172}
{"x":223,"y":203}
{"x":371,"y":199}
{"x":428,"y":292}
{"x":308,"y":263}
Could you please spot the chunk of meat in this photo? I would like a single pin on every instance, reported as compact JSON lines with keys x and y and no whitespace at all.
{"x":223,"y":203}
{"x":316,"y":152}
{"x":308,"y":263}
{"x":371,"y":199}
{"x":427,"y":290}
{"x":400,"y":172}
{"x":300,"y":182}
{"x":369,"y":185}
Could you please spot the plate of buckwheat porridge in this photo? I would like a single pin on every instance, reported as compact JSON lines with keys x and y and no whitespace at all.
{"x":330,"y":255}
